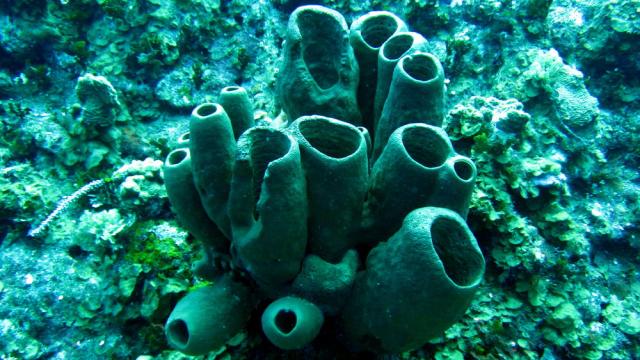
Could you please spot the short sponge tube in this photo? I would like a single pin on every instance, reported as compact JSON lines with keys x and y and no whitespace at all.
{"x":405,"y":177}
{"x":209,"y":316}
{"x":291,"y":323}
{"x":268,"y":207}
{"x":456,"y":184}
{"x":235,"y":101}
{"x":326,"y":284}
{"x":183,"y":140}
{"x":390,"y":308}
{"x":390,"y":53}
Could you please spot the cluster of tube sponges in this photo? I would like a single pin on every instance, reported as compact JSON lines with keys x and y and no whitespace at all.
{"x":353,"y":207}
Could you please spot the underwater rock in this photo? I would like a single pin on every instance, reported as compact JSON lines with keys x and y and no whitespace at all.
{"x":546,"y":77}
{"x":99,"y":101}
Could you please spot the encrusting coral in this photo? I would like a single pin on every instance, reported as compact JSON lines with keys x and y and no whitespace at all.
{"x":311,"y":215}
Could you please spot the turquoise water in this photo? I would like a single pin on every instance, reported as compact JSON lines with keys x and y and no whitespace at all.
{"x":434,"y":180}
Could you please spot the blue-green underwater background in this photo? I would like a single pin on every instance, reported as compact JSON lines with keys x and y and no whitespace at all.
{"x":94,"y":93}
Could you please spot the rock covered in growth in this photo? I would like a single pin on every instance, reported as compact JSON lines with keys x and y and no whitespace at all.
{"x":96,"y":135}
{"x":600,"y":37}
{"x":546,"y":74}
{"x":285,"y":210}
{"x":99,"y":101}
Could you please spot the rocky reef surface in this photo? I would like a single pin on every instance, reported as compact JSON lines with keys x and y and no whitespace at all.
{"x":541,"y":95}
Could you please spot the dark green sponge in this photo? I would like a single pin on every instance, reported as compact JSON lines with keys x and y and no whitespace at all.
{"x":291,"y":322}
{"x":416,"y":284}
{"x":209,"y":316}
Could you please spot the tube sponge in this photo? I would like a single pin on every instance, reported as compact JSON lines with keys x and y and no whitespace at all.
{"x":334,"y":156}
{"x":366,"y":35}
{"x":396,"y":47}
{"x":416,"y":284}
{"x":417,"y":168}
{"x":268,"y":207}
{"x":185,"y":200}
{"x":208,"y":317}
{"x":416,"y":94}
{"x":235,"y":101}
{"x":326,"y":284}
{"x":291,"y":322}
{"x":306,"y":197}
{"x":212,"y":148}
{"x":319,"y":73}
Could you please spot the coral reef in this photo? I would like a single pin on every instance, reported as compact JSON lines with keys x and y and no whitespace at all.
{"x":555,"y":206}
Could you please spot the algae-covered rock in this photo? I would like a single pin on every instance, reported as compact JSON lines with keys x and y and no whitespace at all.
{"x":99,"y":101}
{"x":563,"y":85}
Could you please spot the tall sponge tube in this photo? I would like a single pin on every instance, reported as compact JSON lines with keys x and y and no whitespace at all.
{"x":185,"y":200}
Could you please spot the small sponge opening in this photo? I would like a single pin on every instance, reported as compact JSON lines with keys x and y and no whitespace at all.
{"x":321,"y":47}
{"x":397,"y":46}
{"x":230,"y":89}
{"x":464,"y":169}
{"x":184,"y":138}
{"x":207,"y":109}
{"x":421,"y":67}
{"x":178,"y":333}
{"x":286,"y":320}
{"x":177,"y":156}
{"x":377,"y":29}
{"x":330,"y":138}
